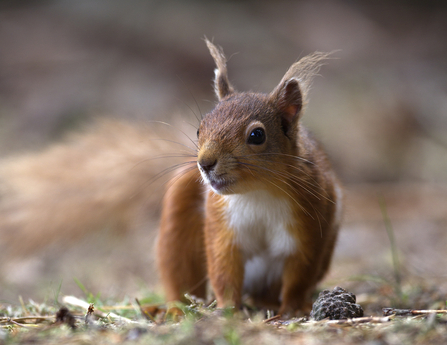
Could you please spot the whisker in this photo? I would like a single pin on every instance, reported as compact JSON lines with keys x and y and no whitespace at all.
{"x":277,"y":186}
{"x":178,"y":143}
{"x":176,"y":155}
{"x":291,"y":197}
{"x":161,"y":174}
{"x":192,"y":110}
{"x":295,"y":179}
{"x":168,"y":124}
{"x":315,"y":182}
{"x":301,"y":171}
{"x":281,"y":154}
{"x":318,"y":213}
{"x":299,"y":168}
{"x":195,"y":101}
{"x":191,"y":124}
{"x":174,"y":179}
{"x":309,"y":188}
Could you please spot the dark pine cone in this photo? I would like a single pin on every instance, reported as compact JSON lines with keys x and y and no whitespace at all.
{"x":335,"y":305}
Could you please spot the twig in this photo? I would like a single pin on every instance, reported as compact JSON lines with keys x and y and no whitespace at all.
{"x":9,"y":320}
{"x":125,"y":307}
{"x":145,"y":313}
{"x":23,"y":305}
{"x":358,"y":320}
{"x":410,"y":312}
{"x":273,"y":318}
{"x":25,"y":318}
{"x":80,"y":303}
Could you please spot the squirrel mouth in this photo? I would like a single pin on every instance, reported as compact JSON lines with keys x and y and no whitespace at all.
{"x":219,"y":185}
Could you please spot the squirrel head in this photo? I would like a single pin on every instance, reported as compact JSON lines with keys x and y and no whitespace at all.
{"x":250,"y":139}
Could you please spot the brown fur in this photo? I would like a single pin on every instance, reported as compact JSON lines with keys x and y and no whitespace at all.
{"x":187,"y":244}
{"x":289,"y":165}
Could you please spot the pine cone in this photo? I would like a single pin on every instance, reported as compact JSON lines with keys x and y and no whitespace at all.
{"x":335,"y":305}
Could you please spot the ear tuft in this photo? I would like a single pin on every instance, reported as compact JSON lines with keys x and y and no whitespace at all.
{"x":222,"y":86}
{"x":290,"y":96}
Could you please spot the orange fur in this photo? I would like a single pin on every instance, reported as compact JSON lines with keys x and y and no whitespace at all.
{"x":182,"y":209}
{"x":269,"y":219}
{"x":223,"y":257}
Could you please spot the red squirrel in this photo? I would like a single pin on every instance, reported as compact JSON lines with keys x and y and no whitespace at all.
{"x":259,"y":213}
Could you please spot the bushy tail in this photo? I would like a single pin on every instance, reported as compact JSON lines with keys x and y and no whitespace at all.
{"x":106,"y":177}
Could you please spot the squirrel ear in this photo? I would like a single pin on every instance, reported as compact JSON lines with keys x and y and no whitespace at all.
{"x":222,"y":86}
{"x":288,"y":100}
{"x":290,"y":96}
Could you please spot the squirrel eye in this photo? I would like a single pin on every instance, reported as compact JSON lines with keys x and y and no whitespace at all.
{"x":198,"y":131}
{"x":256,"y":137}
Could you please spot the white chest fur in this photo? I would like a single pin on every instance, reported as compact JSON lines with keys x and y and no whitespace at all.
{"x":260,"y":222}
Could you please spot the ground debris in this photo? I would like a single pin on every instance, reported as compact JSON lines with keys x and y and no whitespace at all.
{"x":200,"y":324}
{"x":337,"y":304}
{"x":64,"y":316}
{"x":410,"y":312}
{"x":89,"y":314}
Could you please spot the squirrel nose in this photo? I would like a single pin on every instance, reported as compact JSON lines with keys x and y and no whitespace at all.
{"x":208,"y":164}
